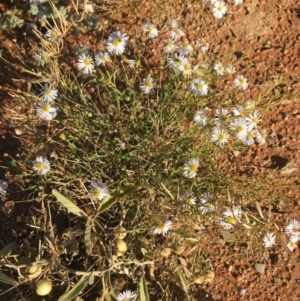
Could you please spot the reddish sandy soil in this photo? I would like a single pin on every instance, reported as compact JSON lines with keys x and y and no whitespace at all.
{"x":266,"y":34}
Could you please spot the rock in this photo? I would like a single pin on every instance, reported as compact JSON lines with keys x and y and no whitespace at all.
{"x":260,"y":267}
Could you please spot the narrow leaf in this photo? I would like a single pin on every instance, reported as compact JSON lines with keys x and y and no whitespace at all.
{"x":7,"y":280}
{"x":68,"y":204}
{"x":183,"y":281}
{"x":144,"y":295}
{"x":112,"y":198}
{"x":87,"y":237}
{"x":7,"y":249}
{"x":77,"y":288}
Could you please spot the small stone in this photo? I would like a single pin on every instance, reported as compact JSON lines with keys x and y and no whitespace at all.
{"x":260,"y":267}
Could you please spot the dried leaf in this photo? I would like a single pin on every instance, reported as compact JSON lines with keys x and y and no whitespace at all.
{"x":183,"y":281}
{"x":7,"y":280}
{"x":68,"y":204}
{"x":144,"y":295}
{"x":78,"y":287}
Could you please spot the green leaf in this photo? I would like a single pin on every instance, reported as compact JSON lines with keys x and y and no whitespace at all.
{"x":113,"y":198}
{"x":78,"y":287}
{"x":87,"y":237}
{"x":7,"y":249}
{"x":7,"y":280}
{"x":144,"y":295}
{"x":68,"y":204}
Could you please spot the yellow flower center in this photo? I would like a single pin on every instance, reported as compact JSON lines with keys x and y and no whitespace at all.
{"x":54,"y":36}
{"x":150,"y":28}
{"x":96,"y":193}
{"x":293,"y":245}
{"x":189,"y":201}
{"x":87,"y":62}
{"x":240,"y":128}
{"x":149,"y":84}
{"x":116,"y":42}
{"x":221,"y":137}
{"x":170,"y":44}
{"x":46,"y":108}
{"x":39,"y":165}
{"x":199,"y":86}
{"x":187,"y":67}
{"x":193,"y":168}
{"x":47,"y":91}
{"x":161,"y":226}
{"x":177,"y":62}
{"x":44,"y":58}
{"x":242,"y":81}
{"x":231,"y":220}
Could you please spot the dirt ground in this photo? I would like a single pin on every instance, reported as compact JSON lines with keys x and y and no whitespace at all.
{"x":267,"y":35}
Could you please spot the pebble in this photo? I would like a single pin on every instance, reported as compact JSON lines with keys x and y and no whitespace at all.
{"x":260,"y":267}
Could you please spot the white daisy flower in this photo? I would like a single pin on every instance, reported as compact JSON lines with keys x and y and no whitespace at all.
{"x":269,"y":240}
{"x":293,"y":228}
{"x":219,"y":9}
{"x":237,"y":2}
{"x":42,"y":58}
{"x":175,"y":61}
{"x":293,"y":243}
{"x":150,"y":29}
{"x":85,"y":63}
{"x":126,"y":296}
{"x":52,"y":36}
{"x":199,"y":87}
{"x":241,"y":82}
{"x":45,"y":110}
{"x":98,"y":190}
{"x":199,"y":70}
{"x":131,"y":64}
{"x":253,"y":119}
{"x":176,"y":33}
{"x":163,"y":228}
{"x":206,"y":206}
{"x":201,"y":118}
{"x":230,"y":69}
{"x":185,"y":67}
{"x":239,"y":111}
{"x":170,"y":46}
{"x":185,"y":49}
{"x":188,"y":198}
{"x":202,"y":43}
{"x":261,"y":137}
{"x":248,"y":139}
{"x":190,"y":168}
{"x":48,"y":94}
{"x":117,"y":42}
{"x":101,"y":58}
{"x":88,"y":8}
{"x":239,"y":125}
{"x":250,"y":105}
{"x":148,"y":85}
{"x":41,"y":165}
{"x":221,"y":117}
{"x":220,"y":136}
{"x":174,"y":24}
{"x":3,"y":187}
{"x":231,"y":217}
{"x":219,"y":68}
